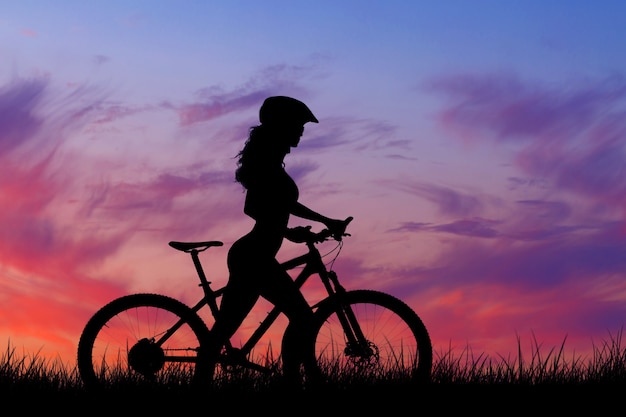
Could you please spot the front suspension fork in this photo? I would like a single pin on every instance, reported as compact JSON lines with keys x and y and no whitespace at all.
{"x":357,"y":344}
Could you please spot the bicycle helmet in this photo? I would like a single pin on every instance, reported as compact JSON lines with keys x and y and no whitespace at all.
{"x":281,"y":109}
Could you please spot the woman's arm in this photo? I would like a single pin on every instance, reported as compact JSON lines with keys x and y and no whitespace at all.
{"x":337,"y":227}
{"x":304,"y":212}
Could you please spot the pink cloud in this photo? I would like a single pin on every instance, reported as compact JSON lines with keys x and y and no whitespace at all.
{"x":42,"y":261}
{"x":29,"y":33}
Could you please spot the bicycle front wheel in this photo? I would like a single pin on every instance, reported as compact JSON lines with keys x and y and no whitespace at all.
{"x":389,"y":344}
{"x":143,"y":339}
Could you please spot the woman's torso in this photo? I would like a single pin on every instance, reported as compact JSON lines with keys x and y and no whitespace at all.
{"x":270,"y":198}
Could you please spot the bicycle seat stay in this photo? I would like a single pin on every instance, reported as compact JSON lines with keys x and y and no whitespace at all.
{"x":198,"y":246}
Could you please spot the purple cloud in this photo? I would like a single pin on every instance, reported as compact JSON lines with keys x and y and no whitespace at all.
{"x":512,"y":109}
{"x":213,"y":102}
{"x":474,"y":228}
{"x":32,"y":131}
{"x":544,"y":212}
{"x":573,"y":137}
{"x":449,"y":202}
{"x":218,"y":105}
{"x":18,"y":103}
{"x":551,"y":249}
{"x":467,"y":227}
{"x":599,"y":172}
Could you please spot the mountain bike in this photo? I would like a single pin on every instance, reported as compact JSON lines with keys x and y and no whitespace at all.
{"x":152,"y":338}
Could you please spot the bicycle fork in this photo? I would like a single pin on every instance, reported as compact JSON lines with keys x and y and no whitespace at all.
{"x":356,"y":343}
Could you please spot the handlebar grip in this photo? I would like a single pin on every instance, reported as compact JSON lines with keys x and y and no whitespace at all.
{"x":339,"y":236}
{"x":324,"y":234}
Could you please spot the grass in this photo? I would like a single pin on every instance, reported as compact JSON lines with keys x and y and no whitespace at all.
{"x":31,"y":372}
{"x":519,"y":377}
{"x":606,"y":366}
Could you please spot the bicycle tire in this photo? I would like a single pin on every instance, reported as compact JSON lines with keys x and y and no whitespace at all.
{"x":117,"y":344}
{"x":399,"y":346}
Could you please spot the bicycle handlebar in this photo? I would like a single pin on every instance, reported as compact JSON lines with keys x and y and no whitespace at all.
{"x":326,"y":234}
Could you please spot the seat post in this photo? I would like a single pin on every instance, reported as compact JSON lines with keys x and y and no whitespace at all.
{"x":199,"y":269}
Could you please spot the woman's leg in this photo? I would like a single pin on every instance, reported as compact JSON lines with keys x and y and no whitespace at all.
{"x":235,"y":305}
{"x":281,"y":291}
{"x":237,"y":301}
{"x":241,"y":291}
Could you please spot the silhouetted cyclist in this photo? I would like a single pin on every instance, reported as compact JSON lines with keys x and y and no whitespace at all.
{"x":271,"y":198}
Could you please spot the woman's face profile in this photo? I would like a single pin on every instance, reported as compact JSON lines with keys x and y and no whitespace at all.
{"x":290,"y":134}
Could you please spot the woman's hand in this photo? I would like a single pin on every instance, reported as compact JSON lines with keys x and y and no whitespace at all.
{"x":337,"y":228}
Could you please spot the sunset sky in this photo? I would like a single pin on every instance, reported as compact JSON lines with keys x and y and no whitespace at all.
{"x":479,"y":145}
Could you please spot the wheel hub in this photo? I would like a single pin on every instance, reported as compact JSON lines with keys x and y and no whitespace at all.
{"x":146,"y":357}
{"x":363,"y":355}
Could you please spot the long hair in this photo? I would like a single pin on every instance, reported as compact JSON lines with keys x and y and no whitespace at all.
{"x":257,"y":154}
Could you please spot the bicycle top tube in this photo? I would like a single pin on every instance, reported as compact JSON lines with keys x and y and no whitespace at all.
{"x":199,"y":246}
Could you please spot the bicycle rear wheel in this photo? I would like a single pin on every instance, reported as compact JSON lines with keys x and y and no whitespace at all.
{"x":396,"y":348}
{"x":143,"y":339}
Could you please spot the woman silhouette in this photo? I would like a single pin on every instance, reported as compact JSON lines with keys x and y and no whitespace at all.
{"x":271,"y":198}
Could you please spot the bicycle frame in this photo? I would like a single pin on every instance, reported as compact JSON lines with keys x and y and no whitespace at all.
{"x":313,"y":264}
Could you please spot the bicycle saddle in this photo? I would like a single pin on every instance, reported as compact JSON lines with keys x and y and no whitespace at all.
{"x":189,"y":246}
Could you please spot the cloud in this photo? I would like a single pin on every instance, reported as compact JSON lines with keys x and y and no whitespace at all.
{"x":100,"y":59}
{"x":19,"y":122}
{"x":549,"y":252}
{"x":68,"y":213}
{"x":111,"y":112}
{"x":511,"y":109}
{"x":218,"y":105}
{"x":213,"y":102}
{"x":572,"y":136}
{"x":474,"y":228}
{"x":43,"y":251}
{"x":448,"y":201}
{"x":598,"y":172}
{"x":29,"y":33}
{"x":570,"y":144}
{"x":33,"y":131}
